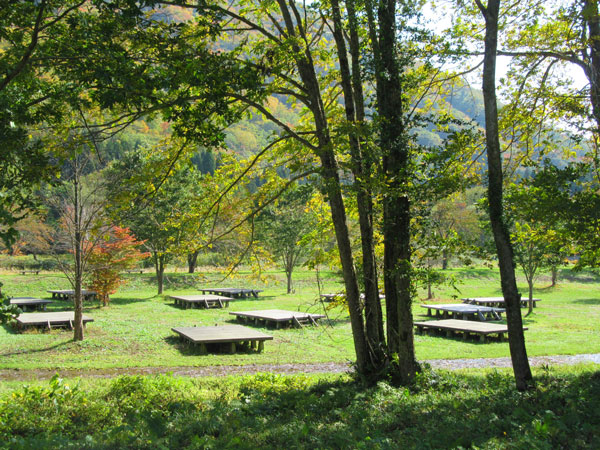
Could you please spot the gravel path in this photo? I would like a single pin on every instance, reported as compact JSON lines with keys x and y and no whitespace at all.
{"x":217,"y":371}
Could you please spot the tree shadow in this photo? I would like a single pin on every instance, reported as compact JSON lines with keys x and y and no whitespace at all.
{"x":39,"y":350}
{"x":583,"y":276}
{"x":587,"y":301}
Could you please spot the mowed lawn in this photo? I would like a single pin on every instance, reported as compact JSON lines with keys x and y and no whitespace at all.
{"x":135,"y":330}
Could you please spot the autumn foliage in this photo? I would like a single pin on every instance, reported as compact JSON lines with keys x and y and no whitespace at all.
{"x":117,"y":252}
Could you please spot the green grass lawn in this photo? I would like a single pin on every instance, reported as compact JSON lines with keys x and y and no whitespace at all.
{"x":135,"y":330}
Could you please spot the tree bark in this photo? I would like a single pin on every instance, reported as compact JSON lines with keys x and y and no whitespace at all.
{"x":354,"y":109}
{"x":332,"y":186}
{"x":590,"y":8}
{"x":77,"y":298}
{"x":396,"y":205}
{"x":159,"y":267}
{"x":518,"y":352}
{"x":192,"y":259}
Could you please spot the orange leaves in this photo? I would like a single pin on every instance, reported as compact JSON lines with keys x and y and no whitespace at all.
{"x":117,"y":252}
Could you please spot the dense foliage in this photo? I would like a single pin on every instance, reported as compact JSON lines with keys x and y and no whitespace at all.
{"x":444,"y":410}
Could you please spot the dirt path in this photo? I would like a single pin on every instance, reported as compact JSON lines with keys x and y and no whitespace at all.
{"x":218,"y":371}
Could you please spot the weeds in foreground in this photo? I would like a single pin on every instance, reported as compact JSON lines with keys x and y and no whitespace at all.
{"x":443,"y":410}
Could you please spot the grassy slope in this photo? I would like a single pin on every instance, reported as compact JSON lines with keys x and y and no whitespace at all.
{"x":136,"y":329}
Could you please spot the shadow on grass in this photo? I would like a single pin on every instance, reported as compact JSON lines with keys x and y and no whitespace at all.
{"x":128,"y":301}
{"x":587,"y":301}
{"x":40,"y":350}
{"x":583,"y":276}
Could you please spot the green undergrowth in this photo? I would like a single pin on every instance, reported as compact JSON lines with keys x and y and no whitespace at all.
{"x":443,"y":410}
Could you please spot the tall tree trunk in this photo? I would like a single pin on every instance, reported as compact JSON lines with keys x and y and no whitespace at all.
{"x":444,"y":259}
{"x":354,"y":109}
{"x":518,"y":352}
{"x":192,"y":259}
{"x":553,"y":275}
{"x":77,"y":298}
{"x":332,"y":186}
{"x":530,"y":303}
{"x":396,"y":206}
{"x":159,"y":267}
{"x":592,"y":18}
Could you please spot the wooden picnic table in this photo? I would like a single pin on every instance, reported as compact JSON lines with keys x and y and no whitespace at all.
{"x":464,"y":327}
{"x":278,"y":317}
{"x":232,"y":292}
{"x":49,"y":320}
{"x":30,"y":302}
{"x":462,"y":311}
{"x":68,"y":294}
{"x":497,"y":301}
{"x":207,"y":301}
{"x":232,"y":336}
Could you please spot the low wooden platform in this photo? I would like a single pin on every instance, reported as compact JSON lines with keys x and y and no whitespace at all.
{"x":69,"y":294}
{"x":232,"y":292}
{"x":29,"y":303}
{"x":49,"y":320}
{"x":464,"y":327}
{"x":497,"y":301}
{"x":231,"y":337}
{"x":206,"y":301}
{"x":464,"y":311}
{"x":278,"y":317}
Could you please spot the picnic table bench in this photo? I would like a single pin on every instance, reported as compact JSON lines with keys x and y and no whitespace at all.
{"x":49,"y":320}
{"x":68,"y":294}
{"x":496,"y":301}
{"x":462,"y":311}
{"x":278,"y":317}
{"x":464,"y":327}
{"x":232,"y":292}
{"x":29,"y":302}
{"x":231,"y":336}
{"x":207,"y":301}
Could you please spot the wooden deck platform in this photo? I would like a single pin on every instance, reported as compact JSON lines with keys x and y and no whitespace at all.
{"x":464,"y":327}
{"x":278,"y":317}
{"x":68,"y":294}
{"x":49,"y":320}
{"x":231,"y":337}
{"x":232,"y":292}
{"x":464,"y":311}
{"x":497,"y":301}
{"x":30,"y":303}
{"x":206,"y":301}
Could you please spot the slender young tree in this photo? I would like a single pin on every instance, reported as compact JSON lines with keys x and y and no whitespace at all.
{"x":518,"y":352}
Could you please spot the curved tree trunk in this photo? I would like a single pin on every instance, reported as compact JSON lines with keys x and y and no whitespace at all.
{"x":518,"y":352}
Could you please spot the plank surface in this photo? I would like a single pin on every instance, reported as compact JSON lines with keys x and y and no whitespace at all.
{"x":499,"y":301}
{"x":201,"y":298}
{"x":29,"y":301}
{"x":226,"y":333}
{"x":463,"y":308}
{"x":276,"y":315}
{"x":470,"y":326}
{"x":54,"y":318}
